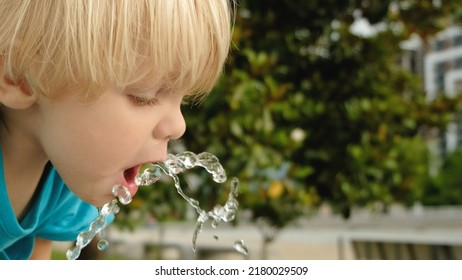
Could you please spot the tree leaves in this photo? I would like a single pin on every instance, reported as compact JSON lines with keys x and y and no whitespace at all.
{"x":309,"y":113}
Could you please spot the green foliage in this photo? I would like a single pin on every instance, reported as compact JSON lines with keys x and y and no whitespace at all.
{"x":300,"y":90}
{"x":309,"y":113}
{"x":445,"y":188}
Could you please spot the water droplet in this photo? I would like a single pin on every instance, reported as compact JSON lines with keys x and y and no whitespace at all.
{"x":240,"y":247}
{"x":103,"y":244}
{"x":122,"y":193}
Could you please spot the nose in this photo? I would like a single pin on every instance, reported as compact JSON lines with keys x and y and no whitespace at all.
{"x":172,"y":126}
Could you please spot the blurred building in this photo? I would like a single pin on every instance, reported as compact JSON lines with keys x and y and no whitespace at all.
{"x":439,"y":63}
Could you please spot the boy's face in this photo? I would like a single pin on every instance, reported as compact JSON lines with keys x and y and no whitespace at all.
{"x":96,"y":145}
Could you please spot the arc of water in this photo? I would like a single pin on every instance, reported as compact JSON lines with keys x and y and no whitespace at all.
{"x":179,"y":163}
{"x":174,"y":165}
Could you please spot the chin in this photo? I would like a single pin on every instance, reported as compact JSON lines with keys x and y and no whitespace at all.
{"x":100,"y":201}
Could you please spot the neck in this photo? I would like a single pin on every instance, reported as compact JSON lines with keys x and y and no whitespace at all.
{"x":23,"y":161}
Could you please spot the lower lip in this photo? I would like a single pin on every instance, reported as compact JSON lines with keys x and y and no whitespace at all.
{"x":132,"y":189}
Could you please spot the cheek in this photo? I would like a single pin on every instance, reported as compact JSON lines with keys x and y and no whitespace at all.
{"x":86,"y":141}
{"x":104,"y":135}
{"x":109,"y":141}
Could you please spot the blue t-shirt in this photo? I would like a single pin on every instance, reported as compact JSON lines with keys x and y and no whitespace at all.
{"x":55,"y":214}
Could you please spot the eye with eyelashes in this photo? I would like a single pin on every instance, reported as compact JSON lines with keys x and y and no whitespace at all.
{"x":139,"y":97}
{"x":144,"y":101}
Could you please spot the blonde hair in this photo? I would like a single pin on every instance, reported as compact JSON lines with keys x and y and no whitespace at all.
{"x":101,"y":44}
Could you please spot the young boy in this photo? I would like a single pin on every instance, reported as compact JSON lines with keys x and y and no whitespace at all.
{"x":90,"y":90}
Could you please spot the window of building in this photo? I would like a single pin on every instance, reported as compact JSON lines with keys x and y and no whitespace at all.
{"x":458,"y":63}
{"x":440,"y":45}
{"x":457,"y":40}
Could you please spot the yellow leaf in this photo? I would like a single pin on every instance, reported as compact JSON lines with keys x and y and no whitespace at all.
{"x":382,"y":132}
{"x":276,"y":189}
{"x":136,"y":203}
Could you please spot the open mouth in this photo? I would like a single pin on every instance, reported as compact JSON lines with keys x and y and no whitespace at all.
{"x":129,"y":177}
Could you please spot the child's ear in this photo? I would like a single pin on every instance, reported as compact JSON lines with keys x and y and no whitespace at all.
{"x":15,"y":95}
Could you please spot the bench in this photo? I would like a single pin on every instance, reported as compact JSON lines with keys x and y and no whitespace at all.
{"x":402,"y":246}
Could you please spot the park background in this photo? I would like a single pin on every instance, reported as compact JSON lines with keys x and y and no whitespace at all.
{"x":341,"y":120}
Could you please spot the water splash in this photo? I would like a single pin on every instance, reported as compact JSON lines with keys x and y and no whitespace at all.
{"x":175,"y":164}
{"x":181,"y":162}
{"x":84,"y":238}
{"x":149,"y":176}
